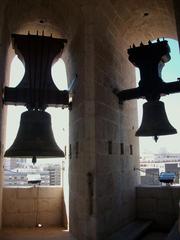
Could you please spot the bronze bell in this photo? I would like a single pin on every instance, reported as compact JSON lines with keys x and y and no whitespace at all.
{"x":35,"y":137}
{"x":155,"y":121}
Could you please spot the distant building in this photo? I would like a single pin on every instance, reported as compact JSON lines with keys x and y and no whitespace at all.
{"x":151,"y":177}
{"x":160,"y":157}
{"x":11,"y":163}
{"x":55,"y":174}
{"x":164,"y":162}
{"x":173,"y":167}
{"x":19,"y":177}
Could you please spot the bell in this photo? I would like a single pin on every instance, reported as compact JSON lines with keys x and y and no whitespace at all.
{"x":35,"y":137}
{"x":155,"y":121}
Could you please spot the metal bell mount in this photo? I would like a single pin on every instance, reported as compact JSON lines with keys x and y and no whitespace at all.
{"x":36,"y":91}
{"x":150,"y":59}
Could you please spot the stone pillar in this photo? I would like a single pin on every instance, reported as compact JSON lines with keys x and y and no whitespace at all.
{"x":117,"y":148}
{"x":3,"y":76}
{"x":82,"y":165}
{"x":102,"y":177}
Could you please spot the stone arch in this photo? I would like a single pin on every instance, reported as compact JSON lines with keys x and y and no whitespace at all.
{"x":144,"y":21}
{"x":23,"y":16}
{"x":20,"y":15}
{"x":119,"y":25}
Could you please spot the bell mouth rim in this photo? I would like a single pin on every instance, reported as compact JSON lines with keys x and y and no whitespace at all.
{"x":23,"y":156}
{"x":26,"y":154}
{"x":30,"y":157}
{"x":153,"y":135}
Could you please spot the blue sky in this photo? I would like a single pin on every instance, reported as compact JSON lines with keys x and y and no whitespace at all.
{"x":170,"y":73}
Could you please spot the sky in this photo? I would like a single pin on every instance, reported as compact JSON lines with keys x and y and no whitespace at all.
{"x":170,"y":73}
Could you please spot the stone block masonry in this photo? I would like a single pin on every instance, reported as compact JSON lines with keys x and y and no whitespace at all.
{"x":159,"y":204}
{"x":27,"y":207}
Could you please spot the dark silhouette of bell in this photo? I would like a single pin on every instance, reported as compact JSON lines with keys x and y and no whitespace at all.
{"x":35,"y":137}
{"x":155,"y":121}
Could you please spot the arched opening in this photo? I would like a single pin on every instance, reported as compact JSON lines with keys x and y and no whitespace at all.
{"x":49,"y":18}
{"x":51,"y":171}
{"x":162,"y":156}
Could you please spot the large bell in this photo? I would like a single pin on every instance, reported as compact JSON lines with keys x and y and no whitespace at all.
{"x":155,"y":121}
{"x":35,"y":137}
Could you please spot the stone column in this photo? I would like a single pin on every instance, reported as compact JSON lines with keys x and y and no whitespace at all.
{"x":116,"y":145}
{"x":3,"y":60}
{"x":82,"y":165}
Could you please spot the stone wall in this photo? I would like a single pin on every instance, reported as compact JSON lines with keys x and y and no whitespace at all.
{"x":26,"y":207}
{"x":81,"y":134}
{"x":48,"y":16}
{"x":159,"y":204}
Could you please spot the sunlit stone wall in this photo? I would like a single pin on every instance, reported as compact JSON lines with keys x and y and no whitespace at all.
{"x":28,"y":207}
